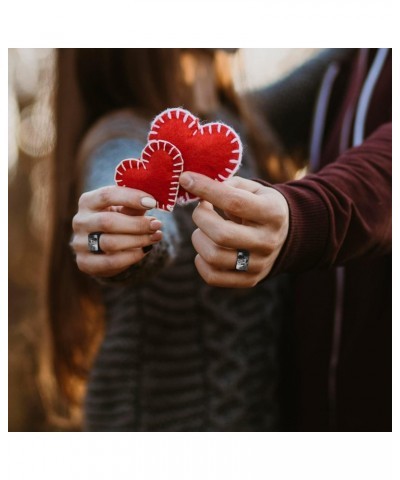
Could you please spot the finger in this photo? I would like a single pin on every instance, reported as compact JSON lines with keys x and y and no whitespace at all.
{"x":216,"y":256}
{"x":271,"y":199}
{"x":224,"y":215}
{"x":225,"y":233}
{"x":112,"y":222}
{"x":108,"y":265}
{"x":221,"y":258}
{"x":125,"y":210}
{"x":229,"y":279}
{"x":105,"y":197}
{"x":233,"y":218}
{"x":110,"y":243}
{"x":238,"y":202}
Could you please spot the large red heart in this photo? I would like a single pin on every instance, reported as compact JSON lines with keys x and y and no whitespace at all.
{"x":156,"y":172}
{"x":213,"y":149}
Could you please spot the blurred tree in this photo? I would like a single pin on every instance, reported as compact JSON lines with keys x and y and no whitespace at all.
{"x":31,"y":78}
{"x":31,"y":141}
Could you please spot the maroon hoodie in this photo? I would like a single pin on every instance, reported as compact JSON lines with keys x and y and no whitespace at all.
{"x":338,"y":351}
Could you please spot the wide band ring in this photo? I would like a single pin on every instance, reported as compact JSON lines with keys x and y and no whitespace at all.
{"x":242,"y":260}
{"x":94,"y":242}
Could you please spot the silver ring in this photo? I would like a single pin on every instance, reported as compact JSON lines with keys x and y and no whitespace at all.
{"x":242,"y":260}
{"x":94,"y":242}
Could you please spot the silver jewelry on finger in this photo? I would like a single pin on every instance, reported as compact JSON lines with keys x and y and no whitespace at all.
{"x":242,"y":260}
{"x":94,"y":242}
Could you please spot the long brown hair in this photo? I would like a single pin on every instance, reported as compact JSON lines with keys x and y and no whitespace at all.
{"x":92,"y":83}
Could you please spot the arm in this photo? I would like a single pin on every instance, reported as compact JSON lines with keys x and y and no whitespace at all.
{"x":338,"y":215}
{"x":344,"y":212}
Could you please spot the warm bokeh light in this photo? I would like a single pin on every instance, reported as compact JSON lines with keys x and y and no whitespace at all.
{"x":31,"y":144}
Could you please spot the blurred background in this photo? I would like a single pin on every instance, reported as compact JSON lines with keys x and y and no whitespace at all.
{"x":31,"y":140}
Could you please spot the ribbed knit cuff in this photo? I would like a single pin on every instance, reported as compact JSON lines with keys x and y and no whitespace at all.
{"x":308,"y":228}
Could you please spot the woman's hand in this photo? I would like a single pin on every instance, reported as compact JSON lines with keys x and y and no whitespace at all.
{"x":257,"y":221}
{"x":118,"y":213}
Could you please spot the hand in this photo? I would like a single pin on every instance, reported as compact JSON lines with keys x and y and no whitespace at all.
{"x":118,"y":213}
{"x":257,"y":221}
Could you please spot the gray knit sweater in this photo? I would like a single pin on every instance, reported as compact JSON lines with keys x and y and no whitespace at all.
{"x":179,"y":355}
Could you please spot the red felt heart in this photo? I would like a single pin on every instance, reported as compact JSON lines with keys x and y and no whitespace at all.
{"x":213,"y":149}
{"x":156,"y":172}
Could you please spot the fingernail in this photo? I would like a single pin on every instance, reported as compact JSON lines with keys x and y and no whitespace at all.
{"x":147,"y":248}
{"x":148,"y":202}
{"x":155,"y":225}
{"x":155,"y":237}
{"x":186,"y":180}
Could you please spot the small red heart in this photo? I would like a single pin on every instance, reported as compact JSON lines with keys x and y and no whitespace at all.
{"x":156,"y":172}
{"x":213,"y":149}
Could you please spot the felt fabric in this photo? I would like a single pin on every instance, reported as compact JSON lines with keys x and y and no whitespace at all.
{"x":101,"y":164}
{"x":213,"y":149}
{"x":178,"y":142}
{"x":156,"y":172}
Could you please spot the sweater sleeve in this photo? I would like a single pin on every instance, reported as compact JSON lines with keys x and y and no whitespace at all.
{"x":343,"y":212}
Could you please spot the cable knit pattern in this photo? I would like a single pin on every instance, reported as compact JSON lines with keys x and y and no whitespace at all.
{"x":179,"y":355}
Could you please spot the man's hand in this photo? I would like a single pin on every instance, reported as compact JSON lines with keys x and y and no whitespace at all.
{"x":257,"y":220}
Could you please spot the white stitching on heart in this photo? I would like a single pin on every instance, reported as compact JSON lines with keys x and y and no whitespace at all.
{"x":177,"y":162}
{"x":177,"y":165}
{"x":169,"y":113}
{"x":195,"y":125}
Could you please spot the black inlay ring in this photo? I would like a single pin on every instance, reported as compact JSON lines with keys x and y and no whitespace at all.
{"x":94,"y":242}
{"x":242,"y":260}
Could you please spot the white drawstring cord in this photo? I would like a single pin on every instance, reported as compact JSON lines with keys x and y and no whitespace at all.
{"x":366,"y":94}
